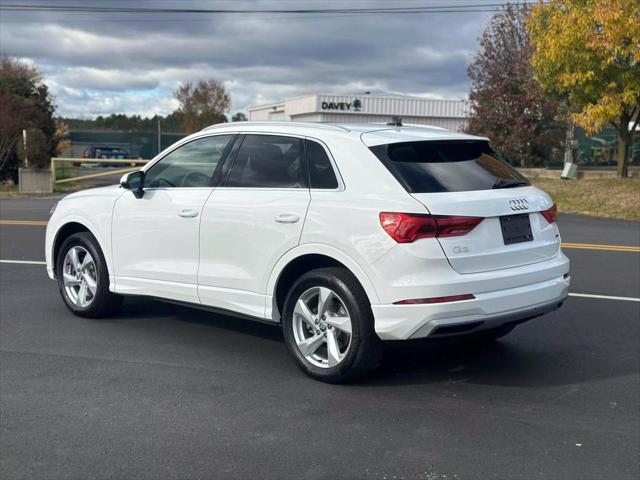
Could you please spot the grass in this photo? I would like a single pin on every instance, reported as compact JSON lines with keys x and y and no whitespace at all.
{"x":600,"y":197}
{"x":8,"y":190}
{"x":65,"y":171}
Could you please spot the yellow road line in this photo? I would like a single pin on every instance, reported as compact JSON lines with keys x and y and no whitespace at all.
{"x":595,"y":246}
{"x":23,"y":222}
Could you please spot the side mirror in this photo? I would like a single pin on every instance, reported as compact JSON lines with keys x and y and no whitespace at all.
{"x":133,"y":181}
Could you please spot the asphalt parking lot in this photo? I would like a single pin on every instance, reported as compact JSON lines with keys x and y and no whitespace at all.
{"x":167,"y":392}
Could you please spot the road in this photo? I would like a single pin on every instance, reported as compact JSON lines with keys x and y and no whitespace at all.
{"x":166,"y":392}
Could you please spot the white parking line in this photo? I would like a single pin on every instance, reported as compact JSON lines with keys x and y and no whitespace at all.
{"x":605,"y":297}
{"x":583,"y":295}
{"x":23,"y":262}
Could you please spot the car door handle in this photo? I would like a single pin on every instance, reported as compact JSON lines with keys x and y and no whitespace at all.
{"x":187,"y":213}
{"x":287,"y":218}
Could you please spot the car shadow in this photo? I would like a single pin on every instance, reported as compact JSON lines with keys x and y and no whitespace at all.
{"x":521,"y":359}
{"x":143,"y":308}
{"x":525,"y":358}
{"x":497,"y":363}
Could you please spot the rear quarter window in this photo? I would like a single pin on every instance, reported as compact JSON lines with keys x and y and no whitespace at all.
{"x":447,"y":166}
{"x":321,"y":174}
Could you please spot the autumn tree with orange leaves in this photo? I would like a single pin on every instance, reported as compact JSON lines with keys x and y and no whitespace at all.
{"x":589,"y":51}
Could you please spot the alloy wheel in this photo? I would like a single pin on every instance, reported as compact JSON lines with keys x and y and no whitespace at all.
{"x":322,"y":327}
{"x":79,"y":276}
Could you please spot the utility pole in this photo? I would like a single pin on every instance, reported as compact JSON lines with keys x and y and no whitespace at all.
{"x":24,"y":144}
{"x":159,"y":136}
{"x":570,"y":170}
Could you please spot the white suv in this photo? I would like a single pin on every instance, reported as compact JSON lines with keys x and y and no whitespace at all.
{"x":345,"y":234}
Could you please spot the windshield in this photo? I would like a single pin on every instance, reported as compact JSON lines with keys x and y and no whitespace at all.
{"x":447,"y":166}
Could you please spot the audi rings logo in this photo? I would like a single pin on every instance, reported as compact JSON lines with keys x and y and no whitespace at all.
{"x":519,"y":204}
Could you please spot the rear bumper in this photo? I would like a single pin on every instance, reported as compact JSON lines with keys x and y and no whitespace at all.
{"x":487,"y":310}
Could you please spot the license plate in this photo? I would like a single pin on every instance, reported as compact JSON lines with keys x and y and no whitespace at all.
{"x":516,"y":228}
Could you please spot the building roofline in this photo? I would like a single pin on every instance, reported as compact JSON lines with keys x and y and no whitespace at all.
{"x":364,"y":95}
{"x":266,"y":105}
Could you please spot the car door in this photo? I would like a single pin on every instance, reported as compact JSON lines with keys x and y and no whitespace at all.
{"x":155,"y":238}
{"x":251,"y":220}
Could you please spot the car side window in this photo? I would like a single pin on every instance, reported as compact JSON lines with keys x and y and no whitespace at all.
{"x":321,"y":174}
{"x":268,"y":161}
{"x":190,"y":165}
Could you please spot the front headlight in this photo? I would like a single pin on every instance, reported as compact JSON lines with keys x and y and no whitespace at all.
{"x":53,"y":208}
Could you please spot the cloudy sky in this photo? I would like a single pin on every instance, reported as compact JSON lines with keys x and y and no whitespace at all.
{"x":101,"y":63}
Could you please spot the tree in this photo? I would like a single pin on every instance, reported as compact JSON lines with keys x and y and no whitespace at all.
{"x":202,"y":104}
{"x":508,"y":105}
{"x":239,"y":117}
{"x":62,"y":135}
{"x":25,"y":103}
{"x":589,"y":50}
{"x":15,"y":113}
{"x":134,"y":123}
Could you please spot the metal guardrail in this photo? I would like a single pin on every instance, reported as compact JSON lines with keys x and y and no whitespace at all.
{"x":131,"y":162}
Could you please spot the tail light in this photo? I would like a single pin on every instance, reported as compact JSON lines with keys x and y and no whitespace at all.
{"x":409,"y":227}
{"x":551,"y":213}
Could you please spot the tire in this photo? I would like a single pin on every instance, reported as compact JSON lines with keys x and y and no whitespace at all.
{"x":95,"y":300}
{"x":353,"y":354}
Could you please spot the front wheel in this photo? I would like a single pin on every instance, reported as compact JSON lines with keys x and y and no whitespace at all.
{"x":83,"y":278}
{"x":328,"y":326}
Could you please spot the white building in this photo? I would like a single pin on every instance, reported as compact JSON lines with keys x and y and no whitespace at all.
{"x":449,"y":114}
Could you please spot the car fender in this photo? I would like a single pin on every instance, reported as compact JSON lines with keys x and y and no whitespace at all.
{"x":53,"y":229}
{"x":317,"y":249}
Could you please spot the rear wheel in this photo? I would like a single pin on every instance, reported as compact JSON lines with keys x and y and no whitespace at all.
{"x":328,"y":326}
{"x":83,"y":278}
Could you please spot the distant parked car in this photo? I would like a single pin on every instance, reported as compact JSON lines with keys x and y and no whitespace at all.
{"x":106,"y":152}
{"x":346,"y":235}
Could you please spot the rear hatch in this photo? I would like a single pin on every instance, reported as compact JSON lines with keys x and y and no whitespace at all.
{"x":465,"y":178}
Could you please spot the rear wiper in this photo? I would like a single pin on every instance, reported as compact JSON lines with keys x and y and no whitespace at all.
{"x":509,"y":183}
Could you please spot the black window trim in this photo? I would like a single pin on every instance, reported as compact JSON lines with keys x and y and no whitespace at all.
{"x":231,"y":160}
{"x":214,"y":176}
{"x":336,"y":171}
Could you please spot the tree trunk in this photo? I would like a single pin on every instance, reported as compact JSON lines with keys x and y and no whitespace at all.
{"x":623,"y":141}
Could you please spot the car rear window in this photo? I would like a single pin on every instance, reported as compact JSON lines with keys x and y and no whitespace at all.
{"x":447,"y":166}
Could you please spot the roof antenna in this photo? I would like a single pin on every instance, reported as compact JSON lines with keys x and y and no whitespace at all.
{"x":395,"y":122}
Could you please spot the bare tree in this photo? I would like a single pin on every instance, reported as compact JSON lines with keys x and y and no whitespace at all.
{"x":202,"y":104}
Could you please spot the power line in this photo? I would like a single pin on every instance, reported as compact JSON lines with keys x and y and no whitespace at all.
{"x":468,"y":8}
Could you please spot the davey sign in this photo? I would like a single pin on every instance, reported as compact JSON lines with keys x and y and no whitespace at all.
{"x":353,"y":106}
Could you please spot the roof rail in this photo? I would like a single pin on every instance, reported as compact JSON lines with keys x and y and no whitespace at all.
{"x":413,"y":125}
{"x":326,"y":126}
{"x":430,"y":127}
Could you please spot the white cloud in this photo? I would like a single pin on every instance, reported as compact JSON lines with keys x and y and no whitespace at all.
{"x":100,"y":64}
